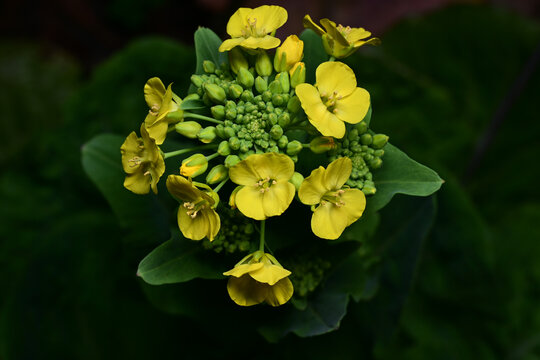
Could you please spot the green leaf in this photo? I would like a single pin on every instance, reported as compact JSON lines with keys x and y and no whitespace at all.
{"x":143,"y":214}
{"x":206,"y":45}
{"x":401,"y":175}
{"x":179,"y":260}
{"x":314,"y":53}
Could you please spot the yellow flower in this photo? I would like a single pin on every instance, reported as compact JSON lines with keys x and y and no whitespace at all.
{"x":143,"y":163}
{"x":289,"y":54}
{"x":340,"y":41}
{"x":254,"y":28}
{"x":266,"y":189}
{"x":259,"y":277}
{"x":334,"y":99}
{"x":196,"y":215}
{"x":338,"y":207}
{"x":161,"y":104}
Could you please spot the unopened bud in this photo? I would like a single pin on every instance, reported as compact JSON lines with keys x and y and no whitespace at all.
{"x":294,"y":147}
{"x":322,"y":144}
{"x":362,"y":127}
{"x":189,"y":129}
{"x":231,"y":160}
{"x":245,"y":77}
{"x":263,"y":65}
{"x":294,"y":105}
{"x":218,"y":111}
{"x":375,"y":163}
{"x":297,"y":180}
{"x":298,"y":74}
{"x":379,"y":141}
{"x":284,"y":120}
{"x":217,"y":174}
{"x":234,"y":143}
{"x":261,"y":85}
{"x":278,"y":100}
{"x":235,"y":91}
{"x":224,"y":149}
{"x":207,"y":135}
{"x":197,"y":80}
{"x":283,"y":78}
{"x":194,"y":165}
{"x":288,"y":54}
{"x":366,"y":139}
{"x":275,"y":87}
{"x":209,"y":67}
{"x":283,"y":141}
{"x":276,"y":131}
{"x":215,"y":93}
{"x":237,"y":60}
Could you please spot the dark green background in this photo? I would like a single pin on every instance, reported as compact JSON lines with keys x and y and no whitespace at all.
{"x":437,"y":84}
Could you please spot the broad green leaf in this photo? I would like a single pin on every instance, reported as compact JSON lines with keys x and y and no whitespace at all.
{"x":314,"y":53}
{"x":142,"y":214}
{"x":401,"y":175}
{"x":206,"y":46}
{"x":179,"y":260}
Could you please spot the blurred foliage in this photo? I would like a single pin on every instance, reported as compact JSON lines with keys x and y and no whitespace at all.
{"x":68,"y":275}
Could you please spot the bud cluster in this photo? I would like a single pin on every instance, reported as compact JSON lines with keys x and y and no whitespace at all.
{"x":236,"y":234}
{"x":307,"y":273}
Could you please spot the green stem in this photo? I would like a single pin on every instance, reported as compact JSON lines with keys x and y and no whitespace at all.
{"x":202,"y":117}
{"x":171,"y":129}
{"x":305,"y":145}
{"x":261,"y":243}
{"x":183,"y":151}
{"x":210,"y":157}
{"x":220,"y":185}
{"x":332,"y":58}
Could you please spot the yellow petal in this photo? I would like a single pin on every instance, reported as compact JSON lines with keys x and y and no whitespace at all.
{"x":313,"y":187}
{"x":269,"y":274}
{"x":280,"y":293}
{"x":373,"y":41}
{"x":245,"y":172}
{"x":249,"y":202}
{"x":335,"y":76}
{"x":329,"y":221}
{"x":182,"y":189}
{"x":337,"y":173}
{"x":274,"y":166}
{"x":245,"y":291}
{"x":214,"y":223}
{"x":357,"y":34}
{"x":238,"y":23}
{"x":268,"y":18}
{"x":353,"y":108}
{"x":138,"y":183}
{"x":157,"y":169}
{"x":154,"y":90}
{"x":201,"y":226}
{"x":355,"y":204}
{"x":243,"y":269}
{"x":157,"y":130}
{"x":230,"y":43}
{"x":293,"y":47}
{"x":266,"y":42}
{"x":130,"y":149}
{"x":332,"y":30}
{"x":309,"y":24}
{"x":277,"y":199}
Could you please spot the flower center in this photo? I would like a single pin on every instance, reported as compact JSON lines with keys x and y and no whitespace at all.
{"x":345,"y":31}
{"x":192,"y":208}
{"x":264,"y":185}
{"x":333,"y":197}
{"x":251,"y":29}
{"x":330,"y":100}
{"x":154,"y":110}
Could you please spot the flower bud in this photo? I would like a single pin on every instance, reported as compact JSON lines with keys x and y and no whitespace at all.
{"x":208,"y":66}
{"x":194,"y":165}
{"x":197,"y":80}
{"x":278,"y":99}
{"x":283,"y":141}
{"x":224,"y":149}
{"x":379,"y":141}
{"x":217,"y":174}
{"x":229,"y":132}
{"x":263,"y":65}
{"x":276,"y":131}
{"x":235,"y":90}
{"x":322,"y":144}
{"x":234,"y":143}
{"x":272,"y":119}
{"x":237,"y":60}
{"x":230,"y":113}
{"x":189,"y":129}
{"x":207,"y":135}
{"x":297,"y":180}
{"x":369,"y":188}
{"x":247,"y":95}
{"x":378,"y":153}
{"x":275,"y":87}
{"x":375,"y":163}
{"x":245,"y":78}
{"x":294,"y":147}
{"x":215,"y":93}
{"x":284,"y":120}
{"x":366,"y":139}
{"x":294,"y":105}
{"x":231,"y":160}
{"x":362,"y":127}
{"x":261,"y":84}
{"x":283,"y":78}
{"x":218,"y":111}
{"x":298,"y":74}
{"x":288,"y":54}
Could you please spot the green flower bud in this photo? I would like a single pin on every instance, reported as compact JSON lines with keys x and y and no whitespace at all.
{"x":294,"y":147}
{"x":293,"y":105}
{"x":283,"y":78}
{"x":250,"y":108}
{"x":276,"y":131}
{"x":234,"y":143}
{"x":322,"y":144}
{"x":284,"y":120}
{"x":192,"y":97}
{"x":208,"y":66}
{"x":362,"y":127}
{"x":379,"y":141}
{"x":266,"y":96}
{"x":273,"y":149}
{"x":278,"y":100}
{"x":207,"y":135}
{"x":261,"y":84}
{"x":237,"y":60}
{"x":217,"y":174}
{"x":194,"y":165}
{"x":245,"y":78}
{"x":189,"y":129}
{"x":366,"y":139}
{"x":215,"y":93}
{"x":235,"y":91}
{"x":231,"y":160}
{"x":247,"y":96}
{"x":375,"y":163}
{"x":353,"y":136}
{"x":369,"y":188}
{"x":230,"y":114}
{"x":298,"y":74}
{"x":272,"y":119}
{"x":245,"y":146}
{"x":263,"y":64}
{"x":197,"y":80}
{"x":275,"y":87}
{"x":224,"y":149}
{"x":378,"y":153}
{"x":283,"y":141}
{"x":229,"y":132}
{"x":296,"y":180}
{"x":218,"y":111}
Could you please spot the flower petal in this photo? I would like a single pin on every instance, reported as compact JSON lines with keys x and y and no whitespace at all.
{"x":278,"y":198}
{"x":353,"y":108}
{"x":280,"y":293}
{"x":357,"y":34}
{"x":238,"y":22}
{"x":269,"y":274}
{"x":182,"y":189}
{"x":273,"y":166}
{"x":138,"y":183}
{"x":337,"y":173}
{"x":266,"y":42}
{"x":355,"y":204}
{"x":230,"y":43}
{"x":157,"y":130}
{"x":240,"y":270}
{"x":130,"y":149}
{"x":313,"y":187}
{"x":214,"y":223}
{"x":335,"y":76}
{"x":245,"y":172}
{"x":332,"y":30}
{"x":249,"y":201}
{"x":329,"y":221}
{"x":154,"y":90}
{"x":195,"y":228}
{"x":268,"y":18}
{"x":310,"y":24}
{"x":245,"y":291}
